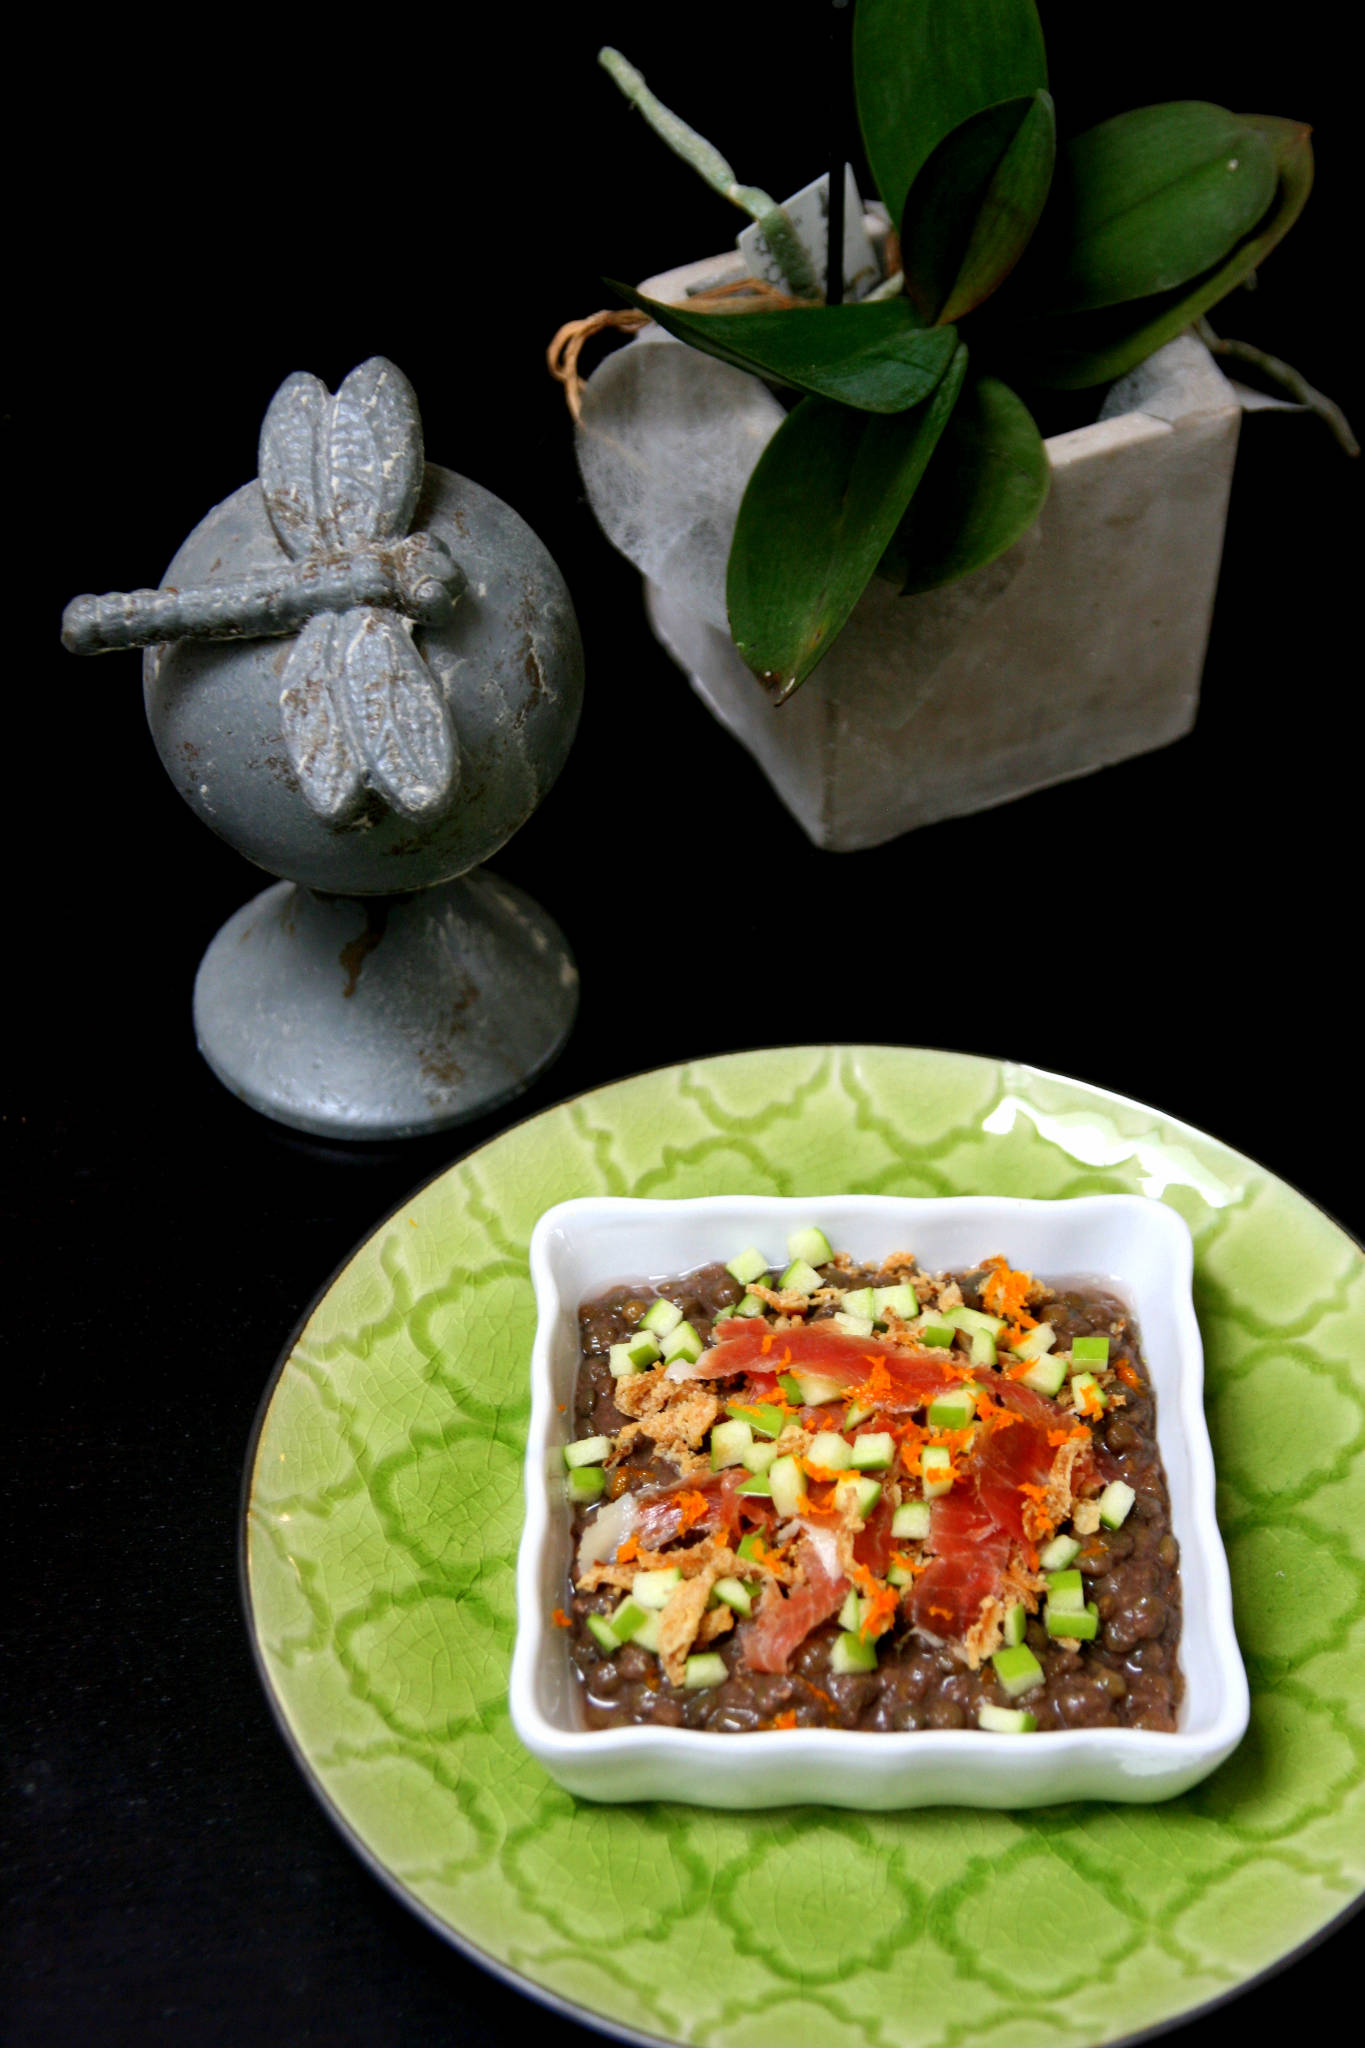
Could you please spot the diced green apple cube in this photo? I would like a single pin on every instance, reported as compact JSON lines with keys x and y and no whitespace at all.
{"x":937,"y":1335}
{"x":973,"y":1319}
{"x":622,"y":1362}
{"x":1085,"y":1625}
{"x":1017,"y":1669}
{"x":814,"y":1390}
{"x":801,"y":1275}
{"x":759,"y":1457}
{"x":682,"y":1341}
{"x":629,"y":1616}
{"x":874,"y":1451}
{"x":1115,"y":1503}
{"x":787,"y":1485}
{"x":647,"y":1634}
{"x":749,"y":1265}
{"x":831,"y":1451}
{"x":757,"y":1484}
{"x":860,"y":1301}
{"x":729,"y":1441}
{"x":705,"y":1669}
{"x":1005,"y":1720}
{"x":854,"y":1414}
{"x":662,"y":1317}
{"x":936,"y":1468}
{"x":897,"y":1575}
{"x":851,"y":1613}
{"x":763,"y":1416}
{"x":603,"y":1634}
{"x":1084,"y":1384}
{"x":655,"y":1588}
{"x":852,"y":1326}
{"x":983,"y":1348}
{"x":911,"y":1519}
{"x":1045,"y":1376}
{"x":735,"y":1593}
{"x":1057,"y":1555}
{"x":589,"y":1450}
{"x":851,"y":1653}
{"x":954,"y":1409}
{"x":587,"y":1483}
{"x":1090,"y":1350}
{"x":897,"y":1301}
{"x":1066,"y":1592}
{"x":750,"y":1306}
{"x":1038,"y":1342}
{"x":1016,"y":1621}
{"x":810,"y":1244}
{"x":866,"y":1493}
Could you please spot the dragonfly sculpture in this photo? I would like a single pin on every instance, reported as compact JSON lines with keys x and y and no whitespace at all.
{"x":361,"y":711}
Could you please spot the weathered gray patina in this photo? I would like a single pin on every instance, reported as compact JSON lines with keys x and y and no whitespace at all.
{"x":423,"y":703}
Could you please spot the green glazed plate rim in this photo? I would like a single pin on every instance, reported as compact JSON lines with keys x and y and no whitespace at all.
{"x":1033,"y":1133}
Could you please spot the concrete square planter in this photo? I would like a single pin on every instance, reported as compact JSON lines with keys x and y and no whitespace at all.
{"x":1082,"y":645}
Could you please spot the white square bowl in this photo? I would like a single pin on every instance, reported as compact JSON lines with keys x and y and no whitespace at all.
{"x":1140,"y":1249}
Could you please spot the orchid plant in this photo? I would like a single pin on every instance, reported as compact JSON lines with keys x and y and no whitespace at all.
{"x":909,"y":451}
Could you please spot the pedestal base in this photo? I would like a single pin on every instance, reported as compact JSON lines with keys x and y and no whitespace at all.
{"x":384,"y":1017}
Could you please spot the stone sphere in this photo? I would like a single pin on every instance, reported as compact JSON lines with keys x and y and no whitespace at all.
{"x":510,"y":664}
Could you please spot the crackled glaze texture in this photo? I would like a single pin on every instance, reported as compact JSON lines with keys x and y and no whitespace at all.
{"x":382,"y":1532}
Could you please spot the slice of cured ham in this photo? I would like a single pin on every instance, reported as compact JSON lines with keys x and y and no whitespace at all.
{"x":783,"y":1622}
{"x":971,"y":1552}
{"x":901,"y":1379}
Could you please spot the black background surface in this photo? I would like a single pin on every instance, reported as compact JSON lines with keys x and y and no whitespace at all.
{"x":445,"y":189}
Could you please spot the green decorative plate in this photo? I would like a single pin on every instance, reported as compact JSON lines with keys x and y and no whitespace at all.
{"x":382,"y":1526}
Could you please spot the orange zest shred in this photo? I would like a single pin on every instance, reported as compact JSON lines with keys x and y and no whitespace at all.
{"x":692,"y":1506}
{"x":561,"y":1619}
{"x":880,"y":1603}
{"x":786,"y":1719}
{"x":768,"y":1342}
{"x":945,"y":1612}
{"x":764,"y":1553}
{"x":878,"y":1387}
{"x":1091,"y":1403}
{"x":822,"y":1474}
{"x":1005,"y":1293}
{"x":628,"y":1550}
{"x":1020,"y":1370}
{"x":1127,"y":1374}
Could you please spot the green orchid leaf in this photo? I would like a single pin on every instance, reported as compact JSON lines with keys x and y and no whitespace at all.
{"x":1072,"y":353}
{"x":1148,"y":201}
{"x":974,"y":205}
{"x":923,"y":67}
{"x":829,"y":492}
{"x":984,"y":487}
{"x":879,"y":358}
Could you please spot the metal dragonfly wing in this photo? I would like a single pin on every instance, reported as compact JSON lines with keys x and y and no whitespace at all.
{"x":360,"y":706}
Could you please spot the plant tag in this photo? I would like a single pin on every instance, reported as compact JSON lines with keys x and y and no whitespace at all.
{"x":808,"y":212}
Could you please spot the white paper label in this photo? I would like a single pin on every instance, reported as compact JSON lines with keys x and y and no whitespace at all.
{"x":808,"y":212}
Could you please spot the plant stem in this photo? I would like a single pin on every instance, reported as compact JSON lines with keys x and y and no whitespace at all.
{"x":1287,"y":377}
{"x":706,"y":159}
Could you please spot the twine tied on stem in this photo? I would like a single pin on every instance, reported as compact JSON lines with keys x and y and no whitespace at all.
{"x":740,"y":295}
